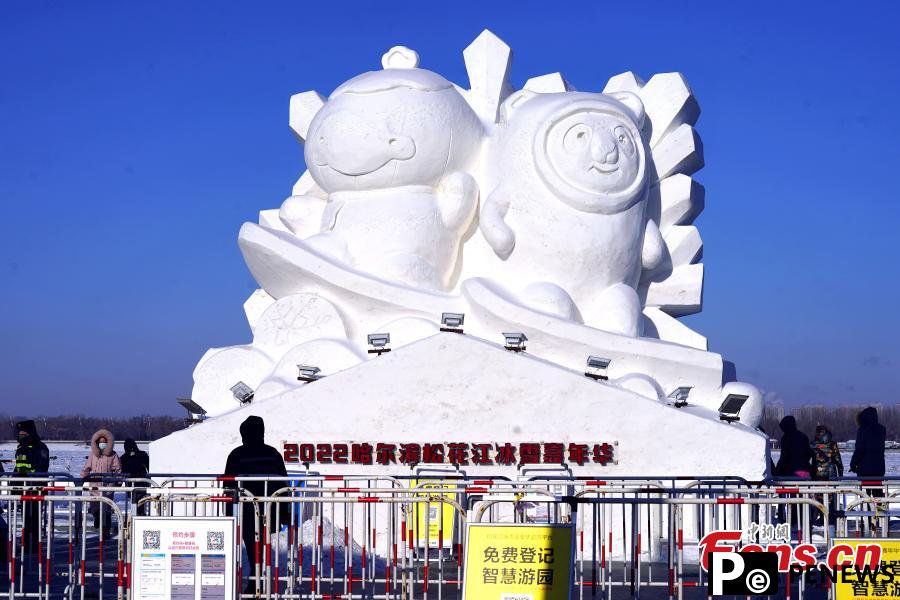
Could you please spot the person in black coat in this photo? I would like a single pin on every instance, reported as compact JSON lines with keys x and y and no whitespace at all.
{"x":32,"y":456}
{"x":796,"y":454}
{"x":254,"y":457}
{"x":135,"y":464}
{"x":868,"y":455}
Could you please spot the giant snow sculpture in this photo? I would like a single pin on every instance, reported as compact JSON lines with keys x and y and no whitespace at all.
{"x":566,"y":215}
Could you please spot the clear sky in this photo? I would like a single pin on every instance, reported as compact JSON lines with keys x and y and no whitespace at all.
{"x":135,"y":140}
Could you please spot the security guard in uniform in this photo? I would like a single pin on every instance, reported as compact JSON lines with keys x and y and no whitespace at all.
{"x":32,"y":456}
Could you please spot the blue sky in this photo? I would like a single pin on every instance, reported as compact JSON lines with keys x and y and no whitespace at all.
{"x":136,"y":138}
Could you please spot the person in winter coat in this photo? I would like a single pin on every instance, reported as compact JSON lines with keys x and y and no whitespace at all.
{"x":868,"y":456}
{"x":102,"y":461}
{"x":253,"y":457}
{"x":827,"y":463}
{"x":796,"y":455}
{"x":135,"y":464}
{"x":32,"y":456}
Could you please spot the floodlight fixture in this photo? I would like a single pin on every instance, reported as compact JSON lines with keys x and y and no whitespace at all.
{"x":379,"y":342}
{"x":452,"y":322}
{"x":196,"y":413}
{"x":515,"y":341}
{"x":308,"y":373}
{"x":596,"y":368}
{"x":731,"y":407}
{"x":680,"y":396}
{"x":242,"y":392}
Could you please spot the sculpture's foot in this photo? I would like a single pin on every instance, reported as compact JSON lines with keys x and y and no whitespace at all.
{"x":550,"y":299}
{"x":616,"y":309}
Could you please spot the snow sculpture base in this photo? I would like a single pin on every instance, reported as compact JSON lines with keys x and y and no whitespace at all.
{"x":458,"y":388}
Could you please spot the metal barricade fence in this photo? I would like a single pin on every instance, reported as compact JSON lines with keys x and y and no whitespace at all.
{"x":383,"y":537}
{"x":44,"y":531}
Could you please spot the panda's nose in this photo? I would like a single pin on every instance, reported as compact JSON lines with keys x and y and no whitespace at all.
{"x":605,"y":149}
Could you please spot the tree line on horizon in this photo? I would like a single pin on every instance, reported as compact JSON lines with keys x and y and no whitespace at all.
{"x":840,"y":420}
{"x":81,"y":427}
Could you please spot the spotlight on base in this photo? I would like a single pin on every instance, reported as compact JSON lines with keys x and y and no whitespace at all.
{"x":731,"y":408}
{"x":596,"y":368}
{"x":196,"y":413}
{"x":452,"y":322}
{"x":379,"y":343}
{"x":308,"y":373}
{"x":515,"y":341}
{"x":242,"y":392}
{"x":680,"y":396}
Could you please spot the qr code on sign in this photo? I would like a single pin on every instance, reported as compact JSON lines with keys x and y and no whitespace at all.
{"x":151,"y":539}
{"x":215,"y":540}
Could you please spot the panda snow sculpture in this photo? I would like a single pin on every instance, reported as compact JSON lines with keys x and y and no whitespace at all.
{"x":566,"y":213}
{"x":392,"y":148}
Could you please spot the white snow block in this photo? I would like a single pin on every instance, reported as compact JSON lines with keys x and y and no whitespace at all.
{"x":255,"y":305}
{"x":488,"y":61}
{"x":304,"y":107}
{"x":305,"y":185}
{"x":669,"y":103}
{"x":269,"y":218}
{"x":624,"y":82}
{"x":548,"y":84}
{"x":684,"y":244}
{"x":661,"y":326}
{"x":679,"y":294}
{"x":681,"y":201}
{"x":424,"y":391}
{"x":679,"y":152}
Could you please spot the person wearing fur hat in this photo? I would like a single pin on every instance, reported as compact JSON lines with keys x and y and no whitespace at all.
{"x":102,"y":461}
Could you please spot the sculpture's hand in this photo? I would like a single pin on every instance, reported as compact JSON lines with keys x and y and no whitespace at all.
{"x":302,"y":215}
{"x":654,"y":246}
{"x":457,"y":200}
{"x":500,"y":237}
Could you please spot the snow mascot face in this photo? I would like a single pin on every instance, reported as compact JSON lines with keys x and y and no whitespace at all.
{"x":566,"y":214}
{"x":393,"y":149}
{"x":586,"y":148}
{"x":391,"y":128}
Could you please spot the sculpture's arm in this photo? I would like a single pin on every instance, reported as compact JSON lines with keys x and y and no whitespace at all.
{"x":654,"y":246}
{"x":500,"y":237}
{"x":303,"y":215}
{"x":458,"y":200}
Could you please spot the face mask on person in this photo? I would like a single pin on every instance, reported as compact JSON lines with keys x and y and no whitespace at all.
{"x":102,"y":445}
{"x":23,"y":435}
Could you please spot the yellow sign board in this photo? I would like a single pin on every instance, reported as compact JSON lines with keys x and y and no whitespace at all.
{"x":880,"y":583}
{"x":440,"y":518}
{"x":517,"y":561}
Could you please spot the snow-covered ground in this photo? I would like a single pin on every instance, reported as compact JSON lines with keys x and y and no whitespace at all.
{"x":70,"y":457}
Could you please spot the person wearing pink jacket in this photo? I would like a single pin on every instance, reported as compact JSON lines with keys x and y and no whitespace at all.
{"x":102,"y":461}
